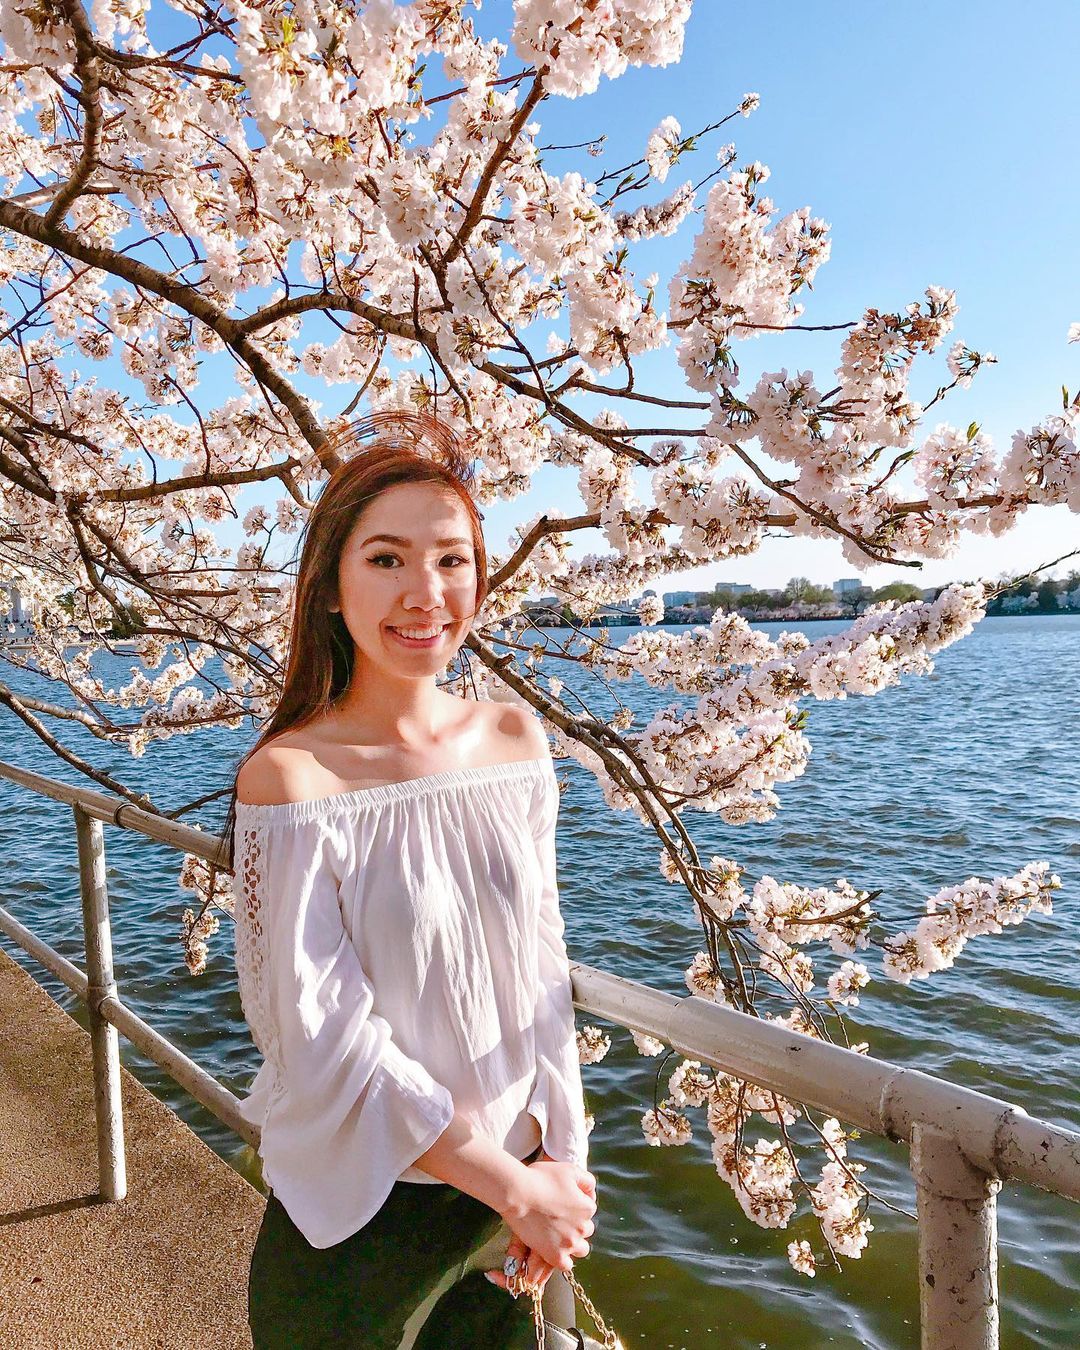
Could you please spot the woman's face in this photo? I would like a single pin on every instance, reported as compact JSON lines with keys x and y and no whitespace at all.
{"x":408,"y":565}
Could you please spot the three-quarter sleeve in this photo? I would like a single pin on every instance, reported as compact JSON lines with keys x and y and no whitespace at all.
{"x":556,"y":1099}
{"x":349,"y":1110}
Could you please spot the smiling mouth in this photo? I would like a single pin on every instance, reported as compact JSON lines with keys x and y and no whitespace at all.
{"x":427,"y":634}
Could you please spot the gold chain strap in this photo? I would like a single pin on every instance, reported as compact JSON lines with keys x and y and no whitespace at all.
{"x":517,"y":1285}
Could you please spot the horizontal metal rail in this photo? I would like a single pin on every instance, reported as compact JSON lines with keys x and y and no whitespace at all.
{"x":963,"y":1143}
{"x":116,"y":811}
{"x":218,"y":1100}
{"x":882,"y":1098}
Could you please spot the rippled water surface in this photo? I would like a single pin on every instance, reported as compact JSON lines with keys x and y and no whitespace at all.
{"x":973,"y":770}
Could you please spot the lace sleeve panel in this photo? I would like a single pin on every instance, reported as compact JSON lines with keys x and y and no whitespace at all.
{"x":251,"y":939}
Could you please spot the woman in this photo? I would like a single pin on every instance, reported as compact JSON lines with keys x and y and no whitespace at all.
{"x":399,"y":943}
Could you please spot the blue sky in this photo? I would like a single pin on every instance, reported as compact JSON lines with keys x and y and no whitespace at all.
{"x":936,"y":139}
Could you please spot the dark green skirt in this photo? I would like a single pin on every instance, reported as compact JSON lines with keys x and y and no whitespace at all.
{"x":360,"y":1293}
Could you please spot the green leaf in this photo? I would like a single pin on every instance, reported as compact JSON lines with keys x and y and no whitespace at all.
{"x":972,"y":431}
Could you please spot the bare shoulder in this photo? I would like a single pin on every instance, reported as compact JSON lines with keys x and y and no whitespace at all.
{"x":520,"y":731}
{"x":279,"y":771}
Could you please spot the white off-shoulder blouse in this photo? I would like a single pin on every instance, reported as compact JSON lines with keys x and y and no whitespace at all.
{"x":400,"y":956}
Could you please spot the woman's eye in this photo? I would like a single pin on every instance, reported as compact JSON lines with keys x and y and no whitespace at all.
{"x":378,"y":558}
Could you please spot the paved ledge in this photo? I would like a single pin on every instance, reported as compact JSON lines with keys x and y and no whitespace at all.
{"x":167,"y":1267}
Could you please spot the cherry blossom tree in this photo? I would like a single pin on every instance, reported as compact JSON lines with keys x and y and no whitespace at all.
{"x":269,"y":200}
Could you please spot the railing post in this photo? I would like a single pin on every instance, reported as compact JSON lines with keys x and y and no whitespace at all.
{"x":957,"y":1205}
{"x":104,"y":1042}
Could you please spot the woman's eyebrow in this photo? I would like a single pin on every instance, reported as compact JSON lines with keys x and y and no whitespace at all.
{"x":407,"y":543}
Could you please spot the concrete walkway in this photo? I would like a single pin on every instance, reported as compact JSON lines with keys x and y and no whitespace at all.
{"x":164,"y":1269}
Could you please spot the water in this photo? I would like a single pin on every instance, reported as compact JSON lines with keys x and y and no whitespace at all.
{"x":974,"y":770}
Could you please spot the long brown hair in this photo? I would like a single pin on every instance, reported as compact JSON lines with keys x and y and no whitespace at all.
{"x":409,"y":448}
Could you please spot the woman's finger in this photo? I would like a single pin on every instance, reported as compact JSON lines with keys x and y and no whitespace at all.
{"x":514,"y":1263}
{"x":532,"y":1271}
{"x":587,"y":1182}
{"x":539,"y":1272}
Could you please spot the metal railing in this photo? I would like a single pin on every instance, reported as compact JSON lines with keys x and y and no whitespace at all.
{"x":963,"y":1144}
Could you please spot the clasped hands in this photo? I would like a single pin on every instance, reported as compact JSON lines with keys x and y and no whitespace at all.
{"x":532,"y":1272}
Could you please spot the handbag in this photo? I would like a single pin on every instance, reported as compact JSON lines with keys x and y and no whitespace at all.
{"x":551,"y":1336}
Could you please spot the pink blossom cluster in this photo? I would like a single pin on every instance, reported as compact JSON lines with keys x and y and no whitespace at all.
{"x":838,"y":1199}
{"x":760,"y":1178}
{"x":654,"y":219}
{"x":951,"y":466}
{"x":740,"y":271}
{"x":645,"y":1044}
{"x":662,"y":149}
{"x":963,"y":361}
{"x":1043,"y":466}
{"x":956,"y":914}
{"x":728,"y":749}
{"x":574,"y":44}
{"x":593,"y":1044}
{"x":765,"y":1178}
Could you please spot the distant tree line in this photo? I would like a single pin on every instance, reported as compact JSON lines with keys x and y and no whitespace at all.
{"x":1034,"y":595}
{"x":802,"y":591}
{"x":1038,"y":595}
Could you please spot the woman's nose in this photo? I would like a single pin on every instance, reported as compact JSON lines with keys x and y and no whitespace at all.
{"x":423,"y":590}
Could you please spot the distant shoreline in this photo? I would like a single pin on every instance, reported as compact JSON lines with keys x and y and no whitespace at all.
{"x":766,"y":617}
{"x":128,"y":644}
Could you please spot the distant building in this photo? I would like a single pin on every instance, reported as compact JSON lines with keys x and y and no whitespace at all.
{"x":547,"y":610}
{"x":847,"y":586}
{"x":19,"y":609}
{"x":681,"y":597}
